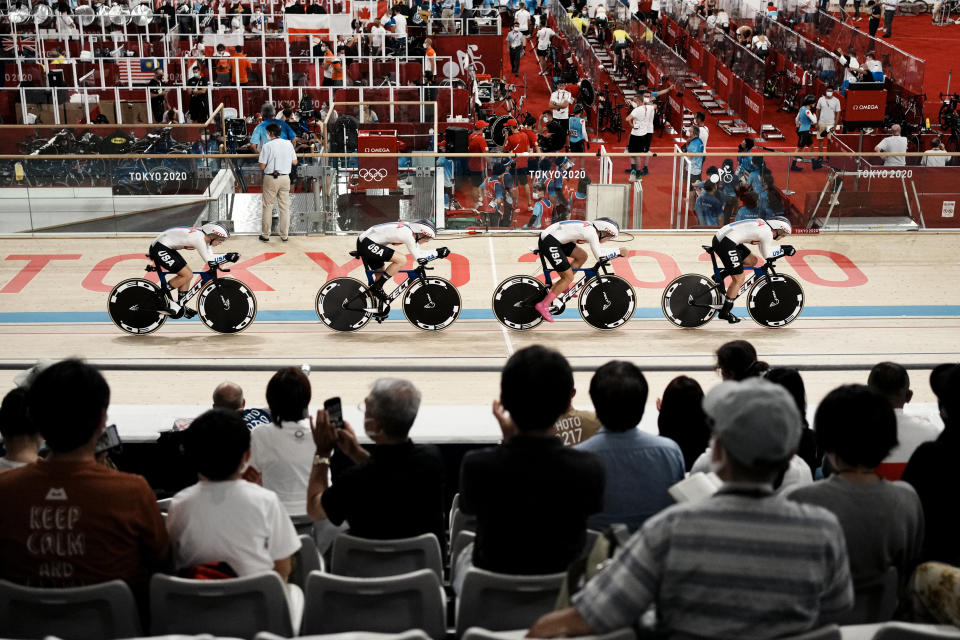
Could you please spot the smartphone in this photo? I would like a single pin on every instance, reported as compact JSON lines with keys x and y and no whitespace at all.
{"x":109,"y":439}
{"x":335,"y":410}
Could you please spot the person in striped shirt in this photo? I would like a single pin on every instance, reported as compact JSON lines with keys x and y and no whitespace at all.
{"x":742,"y":563}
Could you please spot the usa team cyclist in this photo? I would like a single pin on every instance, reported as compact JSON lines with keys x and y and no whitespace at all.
{"x":372,"y":246}
{"x":559,"y":241}
{"x":729,"y":244}
{"x":165,"y":249}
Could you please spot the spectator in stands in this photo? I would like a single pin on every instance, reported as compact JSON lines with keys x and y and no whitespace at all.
{"x":399,"y":20}
{"x":932,"y":471}
{"x":332,"y":67}
{"x":892,"y":381}
{"x":229,"y":396}
{"x":737,"y":360}
{"x":21,"y":439}
{"x":639,"y":466}
{"x":882,"y":521}
{"x":68,"y":520}
{"x":282,"y":451}
{"x":378,"y":39}
{"x":791,"y":380}
{"x":692,"y":560}
{"x":241,"y":67}
{"x":936,"y":155}
{"x":576,"y":425}
{"x":889,"y":10}
{"x":158,"y":100}
{"x":268,"y":114}
{"x":277,"y":159}
{"x":531,"y":495}
{"x":395,"y":490}
{"x":682,"y":419}
{"x":708,"y":207}
{"x":223,"y":66}
{"x":224,"y":518}
{"x":828,"y":119}
{"x":894,"y":143}
{"x":447,"y":12}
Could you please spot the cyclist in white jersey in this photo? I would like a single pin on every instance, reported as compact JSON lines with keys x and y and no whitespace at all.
{"x":729,"y":244}
{"x":165,"y":250}
{"x":372,"y":246}
{"x":559,"y":241}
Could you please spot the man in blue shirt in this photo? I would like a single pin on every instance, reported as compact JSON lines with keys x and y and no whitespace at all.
{"x":577,"y":130}
{"x":259,"y":136}
{"x":639,"y":466}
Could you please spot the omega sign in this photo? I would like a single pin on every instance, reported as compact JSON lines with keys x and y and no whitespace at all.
{"x":753,"y":105}
{"x":377,"y":150}
{"x":866,"y":107}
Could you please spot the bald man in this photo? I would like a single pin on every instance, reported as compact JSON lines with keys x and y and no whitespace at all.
{"x":894,"y":143}
{"x":228,"y":395}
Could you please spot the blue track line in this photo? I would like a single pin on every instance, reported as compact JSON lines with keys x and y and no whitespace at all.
{"x":294,"y":315}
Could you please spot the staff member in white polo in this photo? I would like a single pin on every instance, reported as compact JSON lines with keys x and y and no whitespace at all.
{"x":560,"y":101}
{"x":277,"y":159}
{"x":640,"y":122}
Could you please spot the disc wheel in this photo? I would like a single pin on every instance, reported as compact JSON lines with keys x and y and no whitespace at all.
{"x":775,"y":301}
{"x":432,"y":304}
{"x":134,"y":306}
{"x":691,"y":300}
{"x":227,"y":305}
{"x":607,"y":302}
{"x":513,"y":301}
{"x":343,"y":304}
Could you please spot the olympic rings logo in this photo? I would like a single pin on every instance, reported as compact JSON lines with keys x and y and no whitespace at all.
{"x":372,"y":175}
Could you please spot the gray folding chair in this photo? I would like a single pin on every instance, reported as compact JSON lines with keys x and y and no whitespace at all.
{"x":367,"y":558}
{"x":336,"y":604}
{"x":478,"y":633}
{"x":103,"y":611}
{"x":306,"y":560}
{"x":459,"y":521}
{"x":236,"y":607}
{"x":503,"y":601}
{"x":412,"y":634}
{"x":463,"y":539}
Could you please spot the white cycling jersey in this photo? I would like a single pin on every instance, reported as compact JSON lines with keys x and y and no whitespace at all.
{"x":754,"y":231}
{"x":188,"y":238}
{"x":578,"y":231}
{"x":396,"y":233}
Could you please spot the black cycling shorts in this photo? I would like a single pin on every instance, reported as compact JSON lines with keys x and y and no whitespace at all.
{"x":731,"y":255}
{"x":375,"y":255}
{"x":555,"y":254}
{"x":578,"y":147}
{"x":804,"y":139}
{"x":169,"y":259}
{"x":639,"y":144}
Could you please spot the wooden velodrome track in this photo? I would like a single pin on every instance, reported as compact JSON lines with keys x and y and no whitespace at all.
{"x":869,"y":297}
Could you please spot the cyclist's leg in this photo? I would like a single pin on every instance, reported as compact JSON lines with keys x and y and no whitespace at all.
{"x":733,"y":258}
{"x":555,"y":257}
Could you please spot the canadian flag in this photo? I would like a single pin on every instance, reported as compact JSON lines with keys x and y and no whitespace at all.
{"x":367,"y":10}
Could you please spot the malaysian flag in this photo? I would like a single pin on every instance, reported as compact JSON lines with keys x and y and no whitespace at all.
{"x":26,"y":47}
{"x":138,"y":70}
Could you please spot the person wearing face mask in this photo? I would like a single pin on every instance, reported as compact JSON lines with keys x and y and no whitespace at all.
{"x":516,"y":42}
{"x":199,"y":108}
{"x":392,"y":490}
{"x":828,"y":119}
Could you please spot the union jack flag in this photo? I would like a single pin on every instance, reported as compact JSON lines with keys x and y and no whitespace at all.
{"x":138,"y":70}
{"x":22,"y":45}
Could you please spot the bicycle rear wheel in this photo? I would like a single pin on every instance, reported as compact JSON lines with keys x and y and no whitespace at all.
{"x":691,"y":300}
{"x":775,"y":301}
{"x":513,"y":301}
{"x":432,"y":304}
{"x":134,"y":306}
{"x":606,"y":302}
{"x":227,"y":305}
{"x":342,"y":304}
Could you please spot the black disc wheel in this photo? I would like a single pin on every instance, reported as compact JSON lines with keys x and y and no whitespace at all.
{"x":691,"y":300}
{"x":513,"y":301}
{"x":775,"y":301}
{"x":227,"y":305}
{"x":606,"y":302}
{"x":432,"y":304}
{"x":343,"y":304}
{"x":134,"y":306}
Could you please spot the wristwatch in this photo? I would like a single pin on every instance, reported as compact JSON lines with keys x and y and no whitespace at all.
{"x":318,"y":459}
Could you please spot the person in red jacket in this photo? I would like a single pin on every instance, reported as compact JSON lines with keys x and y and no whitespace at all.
{"x":477,"y":143}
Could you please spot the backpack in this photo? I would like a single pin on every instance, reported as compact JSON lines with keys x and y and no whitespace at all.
{"x":592,"y":561}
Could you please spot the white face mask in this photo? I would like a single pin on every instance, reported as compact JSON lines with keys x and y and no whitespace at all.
{"x":829,"y":94}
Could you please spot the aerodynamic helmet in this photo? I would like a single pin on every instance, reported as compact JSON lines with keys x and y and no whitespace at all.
{"x":423,"y":228}
{"x":780,"y":223}
{"x":608,"y":226}
{"x":215,"y":229}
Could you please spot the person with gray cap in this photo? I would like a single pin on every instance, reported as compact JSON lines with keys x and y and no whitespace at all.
{"x":742,"y":563}
{"x":259,"y":136}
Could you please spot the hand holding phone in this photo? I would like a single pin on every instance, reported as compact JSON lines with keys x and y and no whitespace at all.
{"x":334,"y":410}
{"x":109,"y":439}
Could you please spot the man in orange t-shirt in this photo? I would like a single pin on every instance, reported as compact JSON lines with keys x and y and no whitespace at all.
{"x":69,"y":520}
{"x":477,"y":143}
{"x":241,"y":66}
{"x":429,"y":68}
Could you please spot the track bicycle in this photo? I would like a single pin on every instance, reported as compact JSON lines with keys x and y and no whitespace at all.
{"x":692,"y":300}
{"x":605,"y":301}
{"x":225,"y":305}
{"x":430,"y":303}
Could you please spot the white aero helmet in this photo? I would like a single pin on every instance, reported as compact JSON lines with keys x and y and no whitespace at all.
{"x":608,"y":226}
{"x":780,"y":223}
{"x":215,"y":229}
{"x":423,"y":228}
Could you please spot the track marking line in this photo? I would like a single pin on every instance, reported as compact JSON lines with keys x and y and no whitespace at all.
{"x":496,"y":281}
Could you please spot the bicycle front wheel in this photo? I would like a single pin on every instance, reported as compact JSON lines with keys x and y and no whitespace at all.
{"x":227,"y":305}
{"x":606,"y":302}
{"x":432,"y":304}
{"x":134,"y":306}
{"x":775,"y":301}
{"x":343,"y":304}
{"x":513,"y":301}
{"x":691,"y":300}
